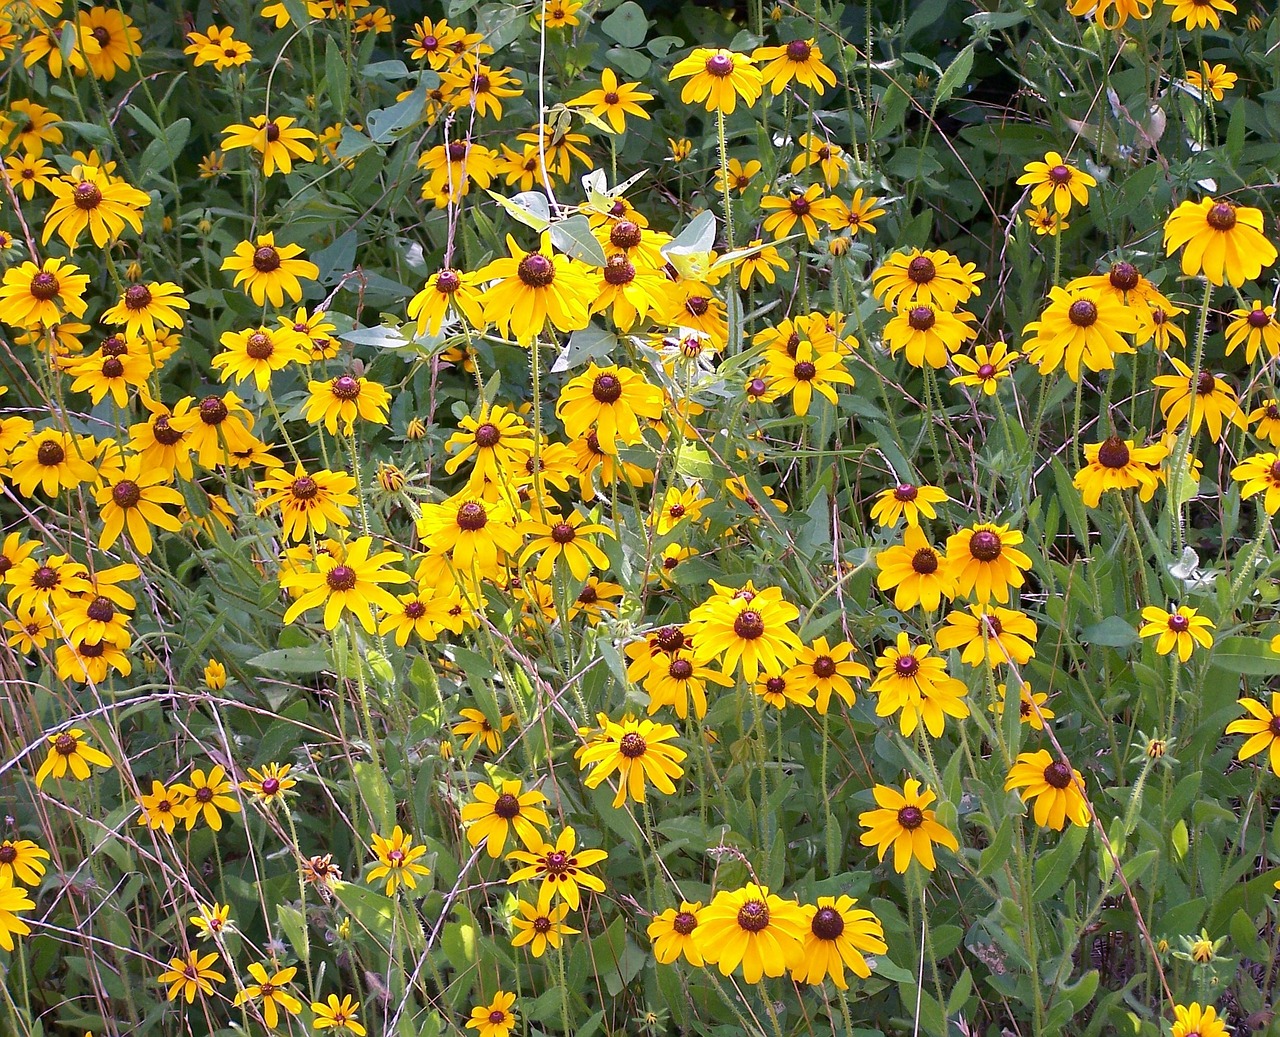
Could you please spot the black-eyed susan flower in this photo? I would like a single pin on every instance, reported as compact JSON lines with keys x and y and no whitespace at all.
{"x":629,"y":293}
{"x":34,"y":296}
{"x":828,"y":156}
{"x":206,"y":796}
{"x":1032,"y":708}
{"x":676,"y":679}
{"x":806,"y":373}
{"x":88,"y":199}
{"x":269,"y":992}
{"x":496,"y":812}
{"x":447,"y":290}
{"x":839,"y":937}
{"x":614,"y":101}
{"x":309,"y":502}
{"x":1180,"y":630}
{"x":801,"y":212}
{"x":799,"y":61}
{"x":1213,"y":80}
{"x":89,"y":662}
{"x":473,"y":532}
{"x":1111,"y":14}
{"x":927,"y":334}
{"x":1085,"y":326}
{"x":1057,"y":788}
{"x":1266,"y":421}
{"x":69,"y":751}
{"x":610,"y":401}
{"x":336,"y":1013}
{"x":277,"y":140}
{"x":143,"y":307}
{"x":915,"y":684}
{"x":991,"y":634}
{"x":477,"y":728}
{"x":479,"y":87}
{"x":212,"y":920}
{"x":1260,"y":474}
{"x":761,"y":264}
{"x":559,"y":14}
{"x":556,"y":536}
{"x":933,"y":278}
{"x":215,"y":430}
{"x":740,"y":175}
{"x":13,"y":899}
{"x":1205,"y":400}
{"x":35,"y":127}
{"x":1117,"y":464}
{"x":717,"y":78}
{"x":452,"y":168}
{"x":1045,"y":222}
{"x":746,"y":628}
{"x":1254,"y":327}
{"x":259,"y":352}
{"x":561,"y":149}
{"x":859,"y":213}
{"x":822,"y":668}
{"x":269,"y":271}
{"x":986,"y":562}
{"x":906,"y":500}
{"x":987,"y":368}
{"x":192,"y":975}
{"x":113,"y":373}
{"x":904,"y":822}
{"x":753,"y":928}
{"x":496,"y":1019}
{"x":916,"y":573}
{"x":539,"y":926}
{"x":1262,"y":725}
{"x":1199,"y":14}
{"x":1195,"y":1021}
{"x":1053,"y":180}
{"x":52,"y":460}
{"x":674,"y":933}
{"x":1221,"y":240}
{"x":22,"y":861}
{"x":352,"y":584}
{"x":1158,"y":326}
{"x":533,"y":288}
{"x":46,"y":584}
{"x":161,"y":808}
{"x":269,"y":784}
{"x":639,"y":753}
{"x":344,"y":398}
{"x":131,"y":502}
{"x":424,"y":613}
{"x":397,"y":861}
{"x":558,"y":867}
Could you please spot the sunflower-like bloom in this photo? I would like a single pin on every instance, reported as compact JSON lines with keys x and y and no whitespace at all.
{"x":1254,"y":327}
{"x":906,"y":500}
{"x":539,"y":926}
{"x":258,"y":352}
{"x":838,"y":937}
{"x":354,"y":584}
{"x":915,"y":684}
{"x":717,"y":78}
{"x":933,"y":278}
{"x":799,"y":61}
{"x":342,"y":399}
{"x":270,"y":271}
{"x":1086,"y":326}
{"x":161,"y":809}
{"x":753,"y":928}
{"x":22,"y":861}
{"x":822,"y":668}
{"x":52,"y":460}
{"x":986,"y":562}
{"x":614,"y":101}
{"x":397,"y":861}
{"x":1116,"y":464}
{"x":989,"y":633}
{"x":447,"y":290}
{"x":1193,"y":1021}
{"x":68,"y":751}
{"x":338,"y":1014}
{"x":804,"y":209}
{"x":674,"y":933}
{"x":40,"y":296}
{"x":533,"y":288}
{"x":915,"y":572}
{"x":478,"y":87}
{"x":1207,"y":399}
{"x":1262,"y":726}
{"x":928,"y":335}
{"x":1111,"y":14}
{"x":144,"y":307}
{"x":308,"y":501}
{"x":132,"y":503}
{"x":496,"y":812}
{"x":1213,"y":80}
{"x":1199,"y":14}
{"x":1221,"y":240}
{"x":89,"y":199}
{"x":1053,"y":179}
{"x":611,"y":401}
{"x":637,"y":751}
{"x":1058,"y":789}
{"x":555,"y":536}
{"x":559,"y":868}
{"x":206,"y":796}
{"x":904,"y":822}
{"x":496,"y":1019}
{"x":1260,"y":474}
{"x":192,"y":975}
{"x":746,"y":628}
{"x":475,"y":534}
{"x":277,"y":140}
{"x":1180,"y":630}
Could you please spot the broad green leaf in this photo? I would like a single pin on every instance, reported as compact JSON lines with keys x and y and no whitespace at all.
{"x":1112,"y":632}
{"x":1247,"y":655}
{"x":311,"y":659}
{"x":626,"y":24}
{"x":573,"y":237}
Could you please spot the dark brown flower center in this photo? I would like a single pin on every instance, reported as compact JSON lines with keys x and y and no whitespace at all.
{"x":1179,"y":623}
{"x":1274,"y":727}
{"x":542,"y":924}
{"x":753,"y":916}
{"x":697,"y":305}
{"x":1124,"y":277}
{"x":611,"y":98}
{"x":266,"y":259}
{"x":994,"y":627}
{"x":905,"y":492}
{"x":805,"y":371}
{"x":906,"y":666}
{"x":684,"y":923}
{"x":619,"y":271}
{"x":1060,"y":175}
{"x":1221,"y":216}
{"x":632,"y":746}
{"x":921,"y":318}
{"x":101,"y":610}
{"x":775,"y":685}
{"x":102,"y":35}
{"x":1206,"y":384}
{"x":824,"y":666}
{"x":66,"y":745}
{"x":669,"y":639}
{"x":204,"y":794}
{"x":45,"y":578}
{"x":719,"y":65}
{"x":304,"y":488}
{"x":50,"y":453}
{"x":114,"y":345}
{"x":506,"y":806}
{"x":1274,"y":471}
{"x":625,"y":234}
{"x":44,"y":286}
{"x":1083,"y":313}
{"x":213,"y":411}
{"x":472,"y":516}
{"x":497,"y":1017}
{"x":259,"y":346}
{"x":345,"y":387}
{"x":757,"y":387}
{"x":487,"y":435}
{"x":556,"y":863}
{"x":925,"y":561}
{"x":112,"y":367}
{"x":986,"y":371}
{"x":800,"y":205}
{"x":1258,"y":318}
{"x":680,"y":669}
{"x":828,"y":923}
{"x":429,"y":43}
{"x":749,"y":625}
{"x":588,"y":595}
{"x":985,"y":546}
{"x":607,"y":388}
{"x":563,"y":533}
{"x":536,"y":270}
{"x":910,"y":817}
{"x":921,"y":270}
{"x":457,"y":151}
{"x":8,"y":853}
{"x":1058,"y":774}
{"x":448,"y":282}
{"x":1113,"y":453}
{"x":137,"y":297}
{"x":341,"y":578}
{"x":798,"y":51}
{"x":86,"y":195}
{"x":270,"y":786}
{"x":415,"y":610}
{"x":272,"y":131}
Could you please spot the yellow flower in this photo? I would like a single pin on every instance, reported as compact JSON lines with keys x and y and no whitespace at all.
{"x":132,"y":503}
{"x":39,"y":296}
{"x":805,"y":373}
{"x":753,"y":928}
{"x":206,"y":796}
{"x":988,"y":366}
{"x":398,"y":861}
{"x":746,"y":628}
{"x":353,"y":584}
{"x":534,"y":287}
{"x":906,"y":500}
{"x":479,"y":87}
{"x":916,"y":685}
{"x":1207,"y":399}
{"x":1046,"y":222}
{"x":475,"y":534}
{"x":269,"y":271}
{"x":717,"y":78}
{"x":12,"y":900}
{"x":986,"y":562}
{"x":259,"y":352}
{"x":161,"y":808}
{"x":277,"y":140}
{"x":446,"y":289}
{"x":680,"y":149}
{"x":21,"y":861}
{"x":1260,"y":474}
{"x":344,"y":398}
{"x":838,"y":937}
{"x":797,"y":61}
{"x":904,"y":822}
{"x":270,"y":784}
{"x":308,"y":502}
{"x":1058,"y":790}
{"x":494,"y":814}
{"x":68,"y":751}
{"x":674,"y":933}
{"x":636,"y":750}
{"x":539,"y":926}
{"x":52,"y":460}
{"x":1254,"y":327}
{"x":339,"y":1014}
{"x":475,"y":725}
{"x":88,"y":199}
{"x":614,"y":101}
{"x":559,"y":868}
{"x":1054,"y":180}
{"x":1221,"y":240}
{"x":559,"y":14}
{"x":1262,"y":725}
{"x":496,"y":1019}
{"x":858,"y":214}
{"x":804,"y":208}
{"x":1084,"y":325}
{"x":1116,"y":464}
{"x":1031,"y":706}
{"x":821,"y":669}
{"x":1111,"y":14}
{"x":915,"y":572}
{"x":609,"y":401}
{"x":990,"y":634}
{"x":932,"y":278}
{"x":212,"y":920}
{"x":34,"y":127}
{"x":826,"y":155}
{"x":740,"y":176}
{"x":1194,"y":1021}
{"x":1215,"y":79}
{"x":1183,"y":629}
{"x":270,"y":988}
{"x":192,"y":975}
{"x":928,"y":335}
{"x":1199,"y":14}
{"x":144,"y":306}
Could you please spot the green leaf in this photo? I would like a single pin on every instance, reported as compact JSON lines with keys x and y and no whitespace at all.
{"x":1112,"y":632}
{"x":627,"y":24}
{"x":632,"y":62}
{"x":956,"y":75}
{"x":1247,"y":655}
{"x":1052,"y":869}
{"x":372,"y":911}
{"x":311,"y":659}
{"x":375,"y":791}
{"x":161,"y":152}
{"x":573,"y":237}
{"x":589,"y":343}
{"x":698,"y":236}
{"x":528,"y":207}
{"x":384,"y":123}
{"x":337,"y":78}
{"x":294,"y":926}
